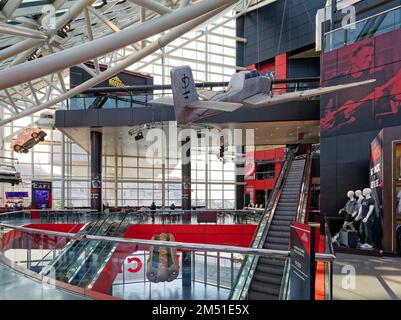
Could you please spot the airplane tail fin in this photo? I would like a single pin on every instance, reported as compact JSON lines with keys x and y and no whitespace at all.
{"x":183,"y":87}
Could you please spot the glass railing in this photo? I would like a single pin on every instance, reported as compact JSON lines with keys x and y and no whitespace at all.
{"x":125,"y":268}
{"x":373,"y":26}
{"x":49,"y":216}
{"x":135,"y":216}
{"x":156,"y":266}
{"x":110,"y":101}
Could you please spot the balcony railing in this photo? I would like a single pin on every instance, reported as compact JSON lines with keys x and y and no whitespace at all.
{"x":373,"y":26}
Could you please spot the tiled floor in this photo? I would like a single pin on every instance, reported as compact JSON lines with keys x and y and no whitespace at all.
{"x":16,"y":286}
{"x":376,"y":278}
{"x":169,"y":291}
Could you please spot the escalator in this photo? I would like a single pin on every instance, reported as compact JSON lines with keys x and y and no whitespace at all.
{"x":266,"y":282}
{"x":96,"y":256}
{"x":265,"y":278}
{"x":58,"y":268}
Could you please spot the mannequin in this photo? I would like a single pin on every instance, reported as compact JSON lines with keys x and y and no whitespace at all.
{"x":359,"y":195}
{"x":366,"y":215}
{"x":350,"y":211}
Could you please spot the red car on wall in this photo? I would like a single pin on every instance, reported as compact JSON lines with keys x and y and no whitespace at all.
{"x":27,"y":139}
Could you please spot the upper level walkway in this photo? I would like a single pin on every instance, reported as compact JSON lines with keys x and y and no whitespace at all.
{"x":17,"y":286}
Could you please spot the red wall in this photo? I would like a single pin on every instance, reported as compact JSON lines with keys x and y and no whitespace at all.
{"x":235,"y":235}
{"x":277,"y":155}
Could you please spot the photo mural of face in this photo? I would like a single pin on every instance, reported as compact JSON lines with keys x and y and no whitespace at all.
{"x":370,"y":107}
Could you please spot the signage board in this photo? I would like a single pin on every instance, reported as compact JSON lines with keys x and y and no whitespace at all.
{"x":302,"y":259}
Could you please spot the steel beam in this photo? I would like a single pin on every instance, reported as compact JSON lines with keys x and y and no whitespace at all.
{"x":21,"y":31}
{"x":152,"y":5}
{"x":131,"y":59}
{"x":71,"y":14}
{"x":73,"y":56}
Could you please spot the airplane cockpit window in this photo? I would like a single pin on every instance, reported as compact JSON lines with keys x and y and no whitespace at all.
{"x":252,"y":74}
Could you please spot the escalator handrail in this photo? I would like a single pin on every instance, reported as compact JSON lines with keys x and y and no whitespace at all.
{"x":86,"y":242}
{"x":300,"y":217}
{"x":115,"y":233}
{"x":304,"y":193}
{"x":67,"y":246}
{"x":89,"y":249}
{"x":245,"y":274}
{"x":95,"y":226}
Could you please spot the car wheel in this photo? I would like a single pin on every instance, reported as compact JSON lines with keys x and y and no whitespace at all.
{"x":41,"y":139}
{"x":25,"y":150}
{"x":17,"y":148}
{"x":34,"y":135}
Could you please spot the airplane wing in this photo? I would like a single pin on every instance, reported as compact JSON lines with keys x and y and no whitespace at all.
{"x":263,"y":100}
{"x":215,"y":105}
{"x":207,"y":94}
{"x":198,"y":104}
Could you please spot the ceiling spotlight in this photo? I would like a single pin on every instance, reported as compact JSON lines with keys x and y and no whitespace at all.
{"x":139,"y":136}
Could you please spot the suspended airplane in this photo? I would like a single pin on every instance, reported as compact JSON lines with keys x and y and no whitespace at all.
{"x":246,"y":89}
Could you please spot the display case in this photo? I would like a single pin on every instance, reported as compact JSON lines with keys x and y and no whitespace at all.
{"x":385,"y":179}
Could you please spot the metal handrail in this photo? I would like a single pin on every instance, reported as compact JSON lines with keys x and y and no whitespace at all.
{"x":168,"y":244}
{"x":249,"y":265}
{"x":362,"y":20}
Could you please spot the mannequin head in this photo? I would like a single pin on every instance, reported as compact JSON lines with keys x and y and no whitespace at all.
{"x":367,"y":192}
{"x":358,"y":193}
{"x":350,"y":194}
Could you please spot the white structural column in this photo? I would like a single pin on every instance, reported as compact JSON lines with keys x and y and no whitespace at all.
{"x":90,"y":50}
{"x":131,"y":59}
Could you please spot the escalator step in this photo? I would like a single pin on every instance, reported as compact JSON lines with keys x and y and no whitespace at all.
{"x":276,"y":228}
{"x":279,"y":234}
{"x":277,"y":240}
{"x":281,"y":223}
{"x":286,"y":213}
{"x":283,"y":218}
{"x":256,"y":295}
{"x":268,"y":279}
{"x":272,"y":262}
{"x":261,"y":287}
{"x":269,"y":269}
{"x":271,"y":246}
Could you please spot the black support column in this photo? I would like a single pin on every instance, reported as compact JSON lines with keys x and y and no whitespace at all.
{"x":240,"y":178}
{"x":186,"y":179}
{"x":96,"y":170}
{"x":186,"y":205}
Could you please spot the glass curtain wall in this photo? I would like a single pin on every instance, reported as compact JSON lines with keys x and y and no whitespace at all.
{"x":129,"y":177}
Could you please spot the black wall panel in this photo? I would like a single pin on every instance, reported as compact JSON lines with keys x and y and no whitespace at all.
{"x":271,"y":30}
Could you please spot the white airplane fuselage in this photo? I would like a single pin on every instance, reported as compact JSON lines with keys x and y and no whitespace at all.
{"x":244,"y":85}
